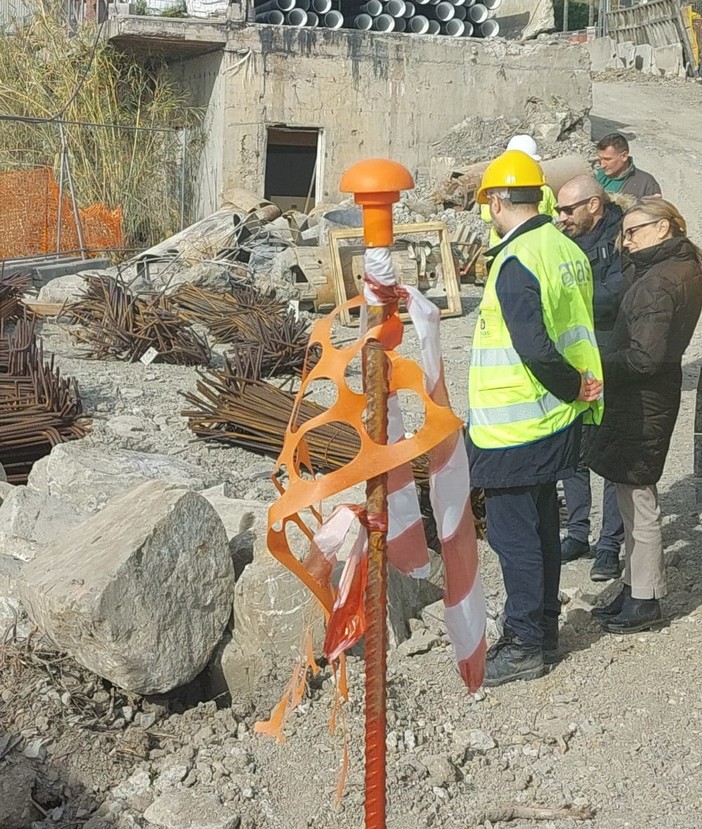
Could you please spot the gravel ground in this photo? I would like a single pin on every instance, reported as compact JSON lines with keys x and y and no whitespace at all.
{"x":615,"y":726}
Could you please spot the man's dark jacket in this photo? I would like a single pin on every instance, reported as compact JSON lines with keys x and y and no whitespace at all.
{"x":599,"y":245}
{"x":642,"y":366}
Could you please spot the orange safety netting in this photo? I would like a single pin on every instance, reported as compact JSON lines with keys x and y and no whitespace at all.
{"x":29,"y":215}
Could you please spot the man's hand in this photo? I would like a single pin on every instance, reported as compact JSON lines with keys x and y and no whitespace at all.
{"x":590,"y":388}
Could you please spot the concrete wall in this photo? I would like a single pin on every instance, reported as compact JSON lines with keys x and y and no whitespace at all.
{"x":203,"y":78}
{"x":372,"y":94}
{"x":606,"y":53}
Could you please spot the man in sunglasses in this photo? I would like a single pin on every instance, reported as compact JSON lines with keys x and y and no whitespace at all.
{"x":586,"y":215}
{"x":617,"y":173}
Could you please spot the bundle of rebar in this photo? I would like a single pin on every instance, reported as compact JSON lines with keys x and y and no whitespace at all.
{"x":453,"y":18}
{"x":233,"y":407}
{"x":114,"y":322}
{"x":13,"y":286}
{"x":248,"y":319}
{"x":38,"y":408}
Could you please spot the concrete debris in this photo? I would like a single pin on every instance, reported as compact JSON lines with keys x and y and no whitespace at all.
{"x":88,"y":477}
{"x":186,"y":810}
{"x":152,"y":567}
{"x":65,"y":288}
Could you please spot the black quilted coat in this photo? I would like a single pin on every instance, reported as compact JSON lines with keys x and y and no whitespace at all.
{"x":642,"y":364}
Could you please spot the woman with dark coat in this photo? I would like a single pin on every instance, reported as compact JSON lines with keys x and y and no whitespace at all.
{"x":643,"y":380}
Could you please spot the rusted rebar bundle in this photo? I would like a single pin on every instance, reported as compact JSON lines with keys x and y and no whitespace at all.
{"x":231,"y":407}
{"x":114,"y":322}
{"x":38,"y":408}
{"x":12,"y":288}
{"x":247,"y":317}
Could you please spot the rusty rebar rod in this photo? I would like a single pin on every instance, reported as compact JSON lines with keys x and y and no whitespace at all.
{"x":375,"y":384}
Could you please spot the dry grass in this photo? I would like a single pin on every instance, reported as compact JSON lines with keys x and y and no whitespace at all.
{"x":45,"y":73}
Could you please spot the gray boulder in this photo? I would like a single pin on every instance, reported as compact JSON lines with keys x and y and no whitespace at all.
{"x":142,"y":591}
{"x":88,"y":477}
{"x":246,"y":524}
{"x":30,"y":519}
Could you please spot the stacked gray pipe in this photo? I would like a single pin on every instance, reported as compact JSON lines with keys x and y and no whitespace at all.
{"x":477,"y":13}
{"x":451,"y":18}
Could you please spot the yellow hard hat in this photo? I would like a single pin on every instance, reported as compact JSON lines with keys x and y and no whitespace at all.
{"x":512,"y":169}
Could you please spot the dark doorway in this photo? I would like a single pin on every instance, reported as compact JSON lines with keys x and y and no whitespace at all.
{"x":292,"y":168}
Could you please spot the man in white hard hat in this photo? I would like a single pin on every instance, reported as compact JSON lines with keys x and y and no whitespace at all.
{"x":547,"y":205}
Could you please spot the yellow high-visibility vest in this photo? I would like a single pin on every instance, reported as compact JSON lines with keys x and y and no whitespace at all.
{"x":508,"y":405}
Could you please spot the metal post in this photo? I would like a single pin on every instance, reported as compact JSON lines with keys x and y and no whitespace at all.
{"x":59,"y":213}
{"x":74,"y":202}
{"x":565,"y":15}
{"x":183,"y":156}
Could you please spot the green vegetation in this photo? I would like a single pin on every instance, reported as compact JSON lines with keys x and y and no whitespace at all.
{"x":48,"y":73}
{"x":577,"y":14}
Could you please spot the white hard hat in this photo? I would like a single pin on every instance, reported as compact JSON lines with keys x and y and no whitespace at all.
{"x":526,"y":144}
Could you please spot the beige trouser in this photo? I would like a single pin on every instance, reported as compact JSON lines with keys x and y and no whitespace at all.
{"x":644,"y":566}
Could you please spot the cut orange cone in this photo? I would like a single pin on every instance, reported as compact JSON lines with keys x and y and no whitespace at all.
{"x":376,"y":184}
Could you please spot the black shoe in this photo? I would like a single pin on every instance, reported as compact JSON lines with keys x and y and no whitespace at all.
{"x":549,"y":625}
{"x":614,"y":608}
{"x":607,"y":565}
{"x":571,"y":549}
{"x":635,"y":615}
{"x":510,"y":658}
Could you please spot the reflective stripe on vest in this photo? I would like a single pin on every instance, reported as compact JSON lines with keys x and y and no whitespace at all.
{"x":508,"y":405}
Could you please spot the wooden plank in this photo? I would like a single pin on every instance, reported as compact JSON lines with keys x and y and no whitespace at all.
{"x":343,"y":276}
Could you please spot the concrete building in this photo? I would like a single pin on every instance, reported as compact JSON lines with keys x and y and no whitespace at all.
{"x":288,"y":110}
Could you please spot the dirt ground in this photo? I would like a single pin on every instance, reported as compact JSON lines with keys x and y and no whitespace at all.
{"x":615,"y":726}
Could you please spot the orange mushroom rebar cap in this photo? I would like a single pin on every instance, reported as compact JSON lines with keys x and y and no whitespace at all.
{"x":376,"y":184}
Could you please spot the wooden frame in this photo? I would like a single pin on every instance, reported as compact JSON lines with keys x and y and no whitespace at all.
{"x":448,"y":269}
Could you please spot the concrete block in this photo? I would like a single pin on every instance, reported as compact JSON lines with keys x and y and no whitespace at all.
{"x":141,"y":593}
{"x":669,"y":61}
{"x":603,"y":53}
{"x":626,"y":54}
{"x":643,"y":58}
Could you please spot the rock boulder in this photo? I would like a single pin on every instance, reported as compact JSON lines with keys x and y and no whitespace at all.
{"x":88,"y":477}
{"x":142,"y":591}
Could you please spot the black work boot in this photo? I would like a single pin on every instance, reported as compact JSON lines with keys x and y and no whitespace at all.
{"x":510,"y":658}
{"x":614,"y":608}
{"x":635,"y":615}
{"x":549,"y":625}
{"x":607,"y":565}
{"x":571,"y":549}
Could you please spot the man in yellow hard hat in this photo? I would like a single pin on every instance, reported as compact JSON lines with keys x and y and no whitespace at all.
{"x":547,"y":205}
{"x":535,"y":375}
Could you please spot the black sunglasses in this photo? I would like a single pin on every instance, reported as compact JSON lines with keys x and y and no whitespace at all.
{"x":569,"y":209}
{"x":628,"y":234}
